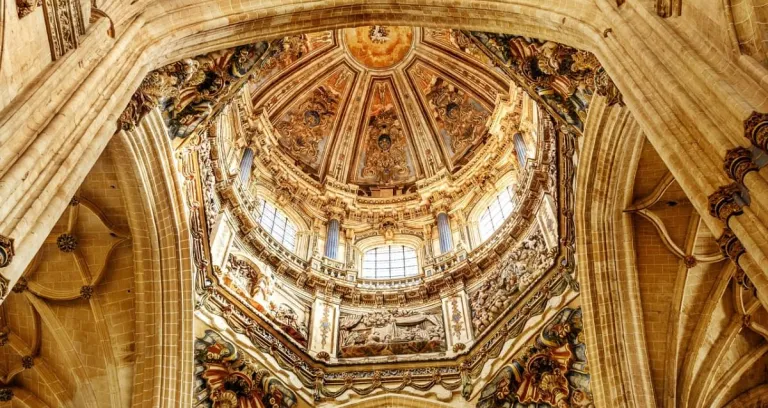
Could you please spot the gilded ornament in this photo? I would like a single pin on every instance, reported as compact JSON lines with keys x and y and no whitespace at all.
{"x":303,"y":128}
{"x":726,"y":202}
{"x":738,"y":162}
{"x":461,"y":117}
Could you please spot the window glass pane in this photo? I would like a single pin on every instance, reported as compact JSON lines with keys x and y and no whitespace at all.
{"x":499,"y":209}
{"x":392,"y":261}
{"x":277,"y":224}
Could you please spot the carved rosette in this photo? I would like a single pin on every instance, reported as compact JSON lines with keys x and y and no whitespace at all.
{"x":738,"y":162}
{"x":726,"y":202}
{"x":730,"y":245}
{"x":690,"y":261}
{"x":86,"y":292}
{"x":756,"y":129}
{"x":6,"y":394}
{"x":27,"y":362}
{"x":6,"y":251}
{"x":66,"y":243}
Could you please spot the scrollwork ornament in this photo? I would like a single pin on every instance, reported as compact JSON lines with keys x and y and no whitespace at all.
{"x":756,"y":129}
{"x":738,"y":162}
{"x":726,"y":202}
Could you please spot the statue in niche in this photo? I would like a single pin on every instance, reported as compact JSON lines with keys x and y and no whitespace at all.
{"x":391,"y":332}
{"x":462,"y":118}
{"x":303,"y":128}
{"x":519,"y":268}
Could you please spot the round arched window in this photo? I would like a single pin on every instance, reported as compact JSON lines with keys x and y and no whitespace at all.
{"x":390,"y":262}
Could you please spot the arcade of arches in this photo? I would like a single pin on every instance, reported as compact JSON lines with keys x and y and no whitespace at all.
{"x":352,"y":203}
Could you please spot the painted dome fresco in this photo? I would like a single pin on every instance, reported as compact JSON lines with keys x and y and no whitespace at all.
{"x":381,"y":108}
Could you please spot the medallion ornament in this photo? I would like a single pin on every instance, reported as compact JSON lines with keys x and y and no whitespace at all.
{"x":86,"y":292}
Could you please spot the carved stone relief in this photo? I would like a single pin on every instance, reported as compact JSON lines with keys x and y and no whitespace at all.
{"x":64,"y":20}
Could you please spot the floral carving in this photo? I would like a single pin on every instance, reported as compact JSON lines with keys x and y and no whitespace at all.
{"x":551,"y":371}
{"x":227,"y":378}
{"x":303,"y":128}
{"x":726,"y":202}
{"x":563,"y":77}
{"x":518,"y":269}
{"x":384,"y":141}
{"x":66,"y":242}
{"x":756,"y":129}
{"x":189,"y":91}
{"x":26,"y":7}
{"x":64,"y":20}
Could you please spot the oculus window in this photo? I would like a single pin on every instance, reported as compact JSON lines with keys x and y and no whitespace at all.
{"x":496,"y":213}
{"x":277,"y":224}
{"x":390,"y":262}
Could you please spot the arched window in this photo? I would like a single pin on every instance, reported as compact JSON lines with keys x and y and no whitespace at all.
{"x":390,"y":262}
{"x":278,"y":225}
{"x":496,"y":213}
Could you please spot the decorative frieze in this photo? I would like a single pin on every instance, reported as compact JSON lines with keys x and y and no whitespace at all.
{"x":65,"y":24}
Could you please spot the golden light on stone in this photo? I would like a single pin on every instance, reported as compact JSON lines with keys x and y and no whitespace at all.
{"x":378,"y":47}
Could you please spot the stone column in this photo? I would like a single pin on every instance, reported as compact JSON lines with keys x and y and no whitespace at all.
{"x":701,"y":112}
{"x":332,"y":239}
{"x":444,"y":232}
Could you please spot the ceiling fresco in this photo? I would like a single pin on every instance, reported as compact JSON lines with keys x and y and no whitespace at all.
{"x":378,"y":47}
{"x":392,"y":118}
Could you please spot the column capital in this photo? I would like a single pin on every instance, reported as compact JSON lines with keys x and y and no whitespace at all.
{"x":726,"y":202}
{"x":738,"y":162}
{"x":756,"y":129}
{"x":730,"y":246}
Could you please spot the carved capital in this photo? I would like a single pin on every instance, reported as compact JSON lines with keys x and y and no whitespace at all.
{"x":726,"y":202}
{"x":604,"y":86}
{"x":738,"y":162}
{"x":6,"y":251}
{"x":756,"y":129}
{"x":730,"y":246}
